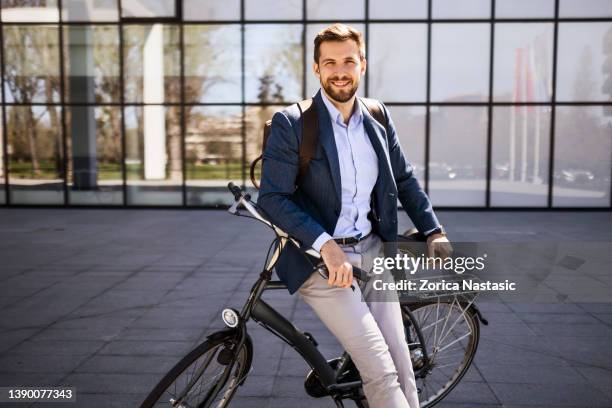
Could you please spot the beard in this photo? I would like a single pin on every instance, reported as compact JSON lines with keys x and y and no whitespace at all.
{"x":340,"y":95}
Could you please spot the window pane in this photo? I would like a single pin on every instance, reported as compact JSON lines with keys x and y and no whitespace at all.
{"x":583,"y":149}
{"x":213,"y":150}
{"x":273,"y":57}
{"x":256,"y":117}
{"x":30,"y":11}
{"x":525,"y":8}
{"x":335,"y":9}
{"x":584,"y":64}
{"x":312,"y":82}
{"x":31,"y":64}
{"x":409,"y":123}
{"x":461,"y":9}
{"x":153,"y":155}
{"x":398,"y":62}
{"x":36,"y":163}
{"x":460,"y":62}
{"x":458,"y":156}
{"x":211,"y":10}
{"x":94,"y":149}
{"x":152,"y":63}
{"x":2,"y":163}
{"x":212,"y":63}
{"x":148,"y":8}
{"x":520,"y":159}
{"x":523,"y":62}
{"x":585,"y":8}
{"x":83,"y":10}
{"x":398,"y":9}
{"x":273,"y":9}
{"x":91,"y":57}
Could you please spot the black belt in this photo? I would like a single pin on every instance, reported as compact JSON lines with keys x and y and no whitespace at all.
{"x":350,"y":240}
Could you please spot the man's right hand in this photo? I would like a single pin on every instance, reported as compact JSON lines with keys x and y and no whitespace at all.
{"x":340,"y":270}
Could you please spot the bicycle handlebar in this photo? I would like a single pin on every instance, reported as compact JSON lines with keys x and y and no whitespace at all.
{"x":358,"y":273}
{"x":244,"y":199}
{"x":235,"y":190}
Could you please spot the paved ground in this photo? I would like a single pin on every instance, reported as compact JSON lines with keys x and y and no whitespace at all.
{"x":107,"y":300}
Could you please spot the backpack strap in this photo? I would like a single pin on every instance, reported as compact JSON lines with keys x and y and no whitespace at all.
{"x":310,"y":135}
{"x":373,"y":106}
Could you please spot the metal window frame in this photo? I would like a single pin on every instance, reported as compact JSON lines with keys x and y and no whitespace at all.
{"x":490,"y":103}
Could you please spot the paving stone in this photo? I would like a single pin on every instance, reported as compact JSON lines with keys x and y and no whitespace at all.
{"x":107,"y":300}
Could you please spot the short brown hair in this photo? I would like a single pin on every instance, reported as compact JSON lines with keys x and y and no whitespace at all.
{"x":338,"y":32}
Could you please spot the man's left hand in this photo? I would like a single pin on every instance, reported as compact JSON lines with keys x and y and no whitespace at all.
{"x":438,"y":244}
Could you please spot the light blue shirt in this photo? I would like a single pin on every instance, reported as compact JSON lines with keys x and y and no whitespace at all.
{"x":358,"y":173}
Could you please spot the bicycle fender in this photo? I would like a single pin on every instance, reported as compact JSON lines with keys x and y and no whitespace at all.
{"x":222,"y":334}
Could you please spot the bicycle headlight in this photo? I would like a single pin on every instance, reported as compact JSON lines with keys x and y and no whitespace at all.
{"x":230,"y":317}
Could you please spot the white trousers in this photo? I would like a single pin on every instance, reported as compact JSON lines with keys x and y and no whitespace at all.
{"x":371,"y":332}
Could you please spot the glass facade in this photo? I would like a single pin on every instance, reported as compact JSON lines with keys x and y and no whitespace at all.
{"x":504,"y":103}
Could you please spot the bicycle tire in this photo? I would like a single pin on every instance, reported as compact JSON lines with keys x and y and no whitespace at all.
{"x":213,"y":341}
{"x":474,"y":322}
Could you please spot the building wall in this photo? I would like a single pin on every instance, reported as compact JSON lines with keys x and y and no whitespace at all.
{"x":498,"y":103}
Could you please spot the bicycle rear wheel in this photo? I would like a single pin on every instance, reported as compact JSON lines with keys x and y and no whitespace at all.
{"x":450,"y":332}
{"x":205,"y":377}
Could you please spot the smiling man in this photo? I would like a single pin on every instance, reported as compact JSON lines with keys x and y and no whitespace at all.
{"x":345,"y":207}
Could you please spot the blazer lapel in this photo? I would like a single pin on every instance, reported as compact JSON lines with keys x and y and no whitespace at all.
{"x":376,"y":134}
{"x":328,"y":142}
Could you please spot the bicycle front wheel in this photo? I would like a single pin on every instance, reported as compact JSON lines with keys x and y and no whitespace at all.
{"x":206,"y":377}
{"x":449,"y":334}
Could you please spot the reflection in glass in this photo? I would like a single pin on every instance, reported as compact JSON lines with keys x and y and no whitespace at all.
{"x":211,"y":10}
{"x":585,"y":8}
{"x":458,"y":156}
{"x":151,"y":63}
{"x":91,"y":58}
{"x":520,"y":159}
{"x":312,"y":82}
{"x":398,"y":62}
{"x":461,"y":9}
{"x":148,"y":8}
{"x":83,"y":10}
{"x":523,"y":62}
{"x":30,"y":11}
{"x":35,"y":159}
{"x":273,"y":63}
{"x":273,"y":10}
{"x":212,"y":63}
{"x":409,"y":124}
{"x":153,"y":155}
{"x":583,"y":151}
{"x":524,"y":8}
{"x":393,"y":9}
{"x":213,"y":153}
{"x":335,"y":10}
{"x":94,"y":155}
{"x":31,"y":64}
{"x":460,"y":62}
{"x":256,"y":117}
{"x":2,"y":163}
{"x":584,"y":63}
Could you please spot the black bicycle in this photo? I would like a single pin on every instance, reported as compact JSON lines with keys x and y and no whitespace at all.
{"x":442,"y":333}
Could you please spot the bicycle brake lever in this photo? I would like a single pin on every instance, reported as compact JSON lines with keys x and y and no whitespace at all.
{"x":321,"y":270}
{"x":234,"y":208}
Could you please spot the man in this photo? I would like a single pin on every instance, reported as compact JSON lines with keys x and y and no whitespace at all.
{"x":345,"y":206}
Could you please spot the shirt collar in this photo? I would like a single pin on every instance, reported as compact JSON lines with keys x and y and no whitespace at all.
{"x":355,"y":119}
